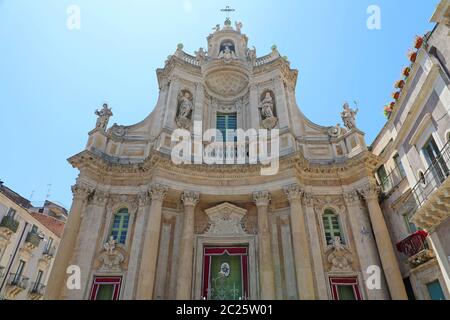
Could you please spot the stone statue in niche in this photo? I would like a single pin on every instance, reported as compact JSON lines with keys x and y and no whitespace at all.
{"x":349,"y":117}
{"x":227,"y":53}
{"x":103,"y":117}
{"x":267,"y":114}
{"x":185,"y":107}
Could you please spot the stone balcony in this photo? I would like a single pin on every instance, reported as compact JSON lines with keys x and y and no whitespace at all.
{"x":432,"y":193}
{"x":15,"y":285}
{"x":8,"y":226}
{"x":415,"y":247}
{"x":33,"y":239}
{"x":36,"y":291}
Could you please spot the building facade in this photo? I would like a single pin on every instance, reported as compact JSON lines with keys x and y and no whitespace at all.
{"x":414,"y":177}
{"x":144,"y":226}
{"x":28,"y":244}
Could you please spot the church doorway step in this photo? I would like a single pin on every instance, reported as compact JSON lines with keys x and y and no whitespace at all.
{"x":225,"y":273}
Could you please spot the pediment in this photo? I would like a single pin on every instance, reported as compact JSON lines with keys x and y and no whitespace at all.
{"x":225,"y":220}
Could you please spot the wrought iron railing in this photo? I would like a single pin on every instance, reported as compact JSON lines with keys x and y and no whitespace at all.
{"x":435,"y":175}
{"x":37,"y":288}
{"x":18,"y":280}
{"x":49,"y":251}
{"x":392,"y":180}
{"x":34,"y":238}
{"x":413,"y":244}
{"x":10,"y":223}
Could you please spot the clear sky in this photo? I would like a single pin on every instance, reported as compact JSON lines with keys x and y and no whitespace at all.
{"x":52,"y":79}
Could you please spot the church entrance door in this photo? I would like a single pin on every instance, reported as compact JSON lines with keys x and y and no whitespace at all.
{"x":225,"y":273}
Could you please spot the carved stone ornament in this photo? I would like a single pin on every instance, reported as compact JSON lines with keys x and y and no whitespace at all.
{"x":190,"y":198}
{"x":261,"y":198}
{"x":117,"y":131}
{"x":293,"y":192}
{"x":269,"y":120}
{"x":339,"y":256}
{"x":225,"y":220}
{"x":103,"y":116}
{"x":111,"y":258}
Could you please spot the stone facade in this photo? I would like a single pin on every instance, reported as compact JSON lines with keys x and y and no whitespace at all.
{"x":28,"y":244}
{"x":414,"y":146}
{"x":181,"y":216}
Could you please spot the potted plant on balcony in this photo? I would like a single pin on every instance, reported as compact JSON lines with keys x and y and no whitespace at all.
{"x":9,"y":223}
{"x":387,"y":111}
{"x":412,"y":55}
{"x":33,"y":238}
{"x":396,"y":95}
{"x":406,"y":71}
{"x":418,"y":42}
{"x":399,"y":84}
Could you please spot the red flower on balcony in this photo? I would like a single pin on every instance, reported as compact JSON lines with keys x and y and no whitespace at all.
{"x":412,"y":55}
{"x":400,"y":84}
{"x":418,"y":42}
{"x":406,"y":71}
{"x":396,"y":95}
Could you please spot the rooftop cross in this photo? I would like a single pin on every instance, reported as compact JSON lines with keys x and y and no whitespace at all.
{"x":228,"y":10}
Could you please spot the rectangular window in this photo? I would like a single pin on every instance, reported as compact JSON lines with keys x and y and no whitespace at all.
{"x":411,"y":227}
{"x":106,"y":288}
{"x":399,"y":165}
{"x":34,"y":229}
{"x":345,"y":288}
{"x":435,"y":160}
{"x":19,"y":271}
{"x":382,"y":176}
{"x":38,"y":280}
{"x":224,"y":122}
{"x":435,"y":290}
{"x":11,"y":213}
{"x":49,"y":244}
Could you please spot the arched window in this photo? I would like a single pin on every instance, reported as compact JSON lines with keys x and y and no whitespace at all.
{"x":332,"y":226}
{"x":119,"y":227}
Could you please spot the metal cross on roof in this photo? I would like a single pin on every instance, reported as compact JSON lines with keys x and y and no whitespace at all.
{"x":228,"y":9}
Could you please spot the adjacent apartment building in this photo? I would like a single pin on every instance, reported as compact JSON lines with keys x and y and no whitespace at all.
{"x":29,"y":238}
{"x":415,"y":148}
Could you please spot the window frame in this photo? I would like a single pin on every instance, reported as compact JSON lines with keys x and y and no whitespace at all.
{"x":341,"y":226}
{"x":345,"y":281}
{"x":116,"y":281}
{"x":120,"y":230}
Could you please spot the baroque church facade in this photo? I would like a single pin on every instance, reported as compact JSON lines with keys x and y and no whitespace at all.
{"x":144,"y":227}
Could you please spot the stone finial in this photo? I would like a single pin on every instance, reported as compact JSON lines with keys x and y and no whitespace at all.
{"x":190,"y":198}
{"x":261,"y":198}
{"x":103,"y":116}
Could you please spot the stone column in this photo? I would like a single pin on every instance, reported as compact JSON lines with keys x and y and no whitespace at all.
{"x":254,"y":111}
{"x":147,"y":271}
{"x":185,"y":260}
{"x":86,"y":245}
{"x":384,"y":244}
{"x":136,"y":246}
{"x":56,"y":281}
{"x":172,"y":104}
{"x":266,"y":269}
{"x":364,"y":243}
{"x":322,"y":287}
{"x":303,"y":270}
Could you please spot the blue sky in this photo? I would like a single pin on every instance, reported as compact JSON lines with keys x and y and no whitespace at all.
{"x":52,"y":79}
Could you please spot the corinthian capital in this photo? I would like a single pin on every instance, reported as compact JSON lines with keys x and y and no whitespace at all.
{"x":294,"y":192}
{"x":144,"y":199}
{"x":351,"y":198}
{"x":261,"y":198}
{"x":100,"y":198}
{"x":158,"y":192}
{"x":81,"y":192}
{"x":369,"y":191}
{"x":190,"y":198}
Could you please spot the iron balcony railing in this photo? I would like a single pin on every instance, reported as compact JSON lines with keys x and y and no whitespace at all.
{"x":49,"y":251}
{"x":433,"y":178}
{"x":10,"y":223}
{"x":37,"y":288}
{"x":413,"y":244}
{"x":34,"y":238}
{"x":18,"y":280}
{"x":392,"y":180}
